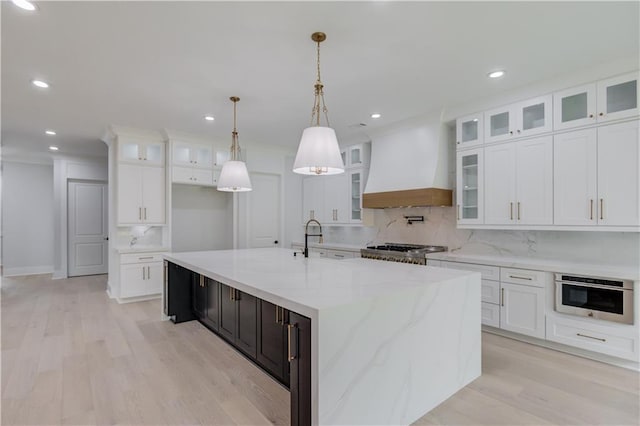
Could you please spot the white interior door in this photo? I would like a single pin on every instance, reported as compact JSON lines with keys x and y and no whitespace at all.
{"x":263,"y":211}
{"x":87,"y":239}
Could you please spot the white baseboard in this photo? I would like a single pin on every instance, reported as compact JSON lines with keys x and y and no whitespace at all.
{"x":27,"y":270}
{"x":59,"y":275}
{"x":138,"y":299}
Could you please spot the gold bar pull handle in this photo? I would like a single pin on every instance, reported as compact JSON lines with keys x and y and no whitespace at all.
{"x":139,"y":213}
{"x":601,"y":208}
{"x":511,"y":211}
{"x":230,"y":293}
{"x":591,"y":337}
{"x":591,"y":209}
{"x":148,"y":272}
{"x":502,"y":297}
{"x":292,"y":342}
{"x":458,"y":211}
{"x":518,"y":210}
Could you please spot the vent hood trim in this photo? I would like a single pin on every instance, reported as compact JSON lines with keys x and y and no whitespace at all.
{"x":423,"y":197}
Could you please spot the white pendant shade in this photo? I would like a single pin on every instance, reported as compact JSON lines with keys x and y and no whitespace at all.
{"x":234,"y":177}
{"x":318,"y":152}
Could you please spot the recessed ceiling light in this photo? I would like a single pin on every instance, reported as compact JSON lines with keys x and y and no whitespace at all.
{"x":50,"y":132}
{"x":53,"y":148}
{"x":24,"y":4}
{"x":496,"y":74}
{"x":376,"y":115}
{"x":41,"y":84}
{"x":209,"y":117}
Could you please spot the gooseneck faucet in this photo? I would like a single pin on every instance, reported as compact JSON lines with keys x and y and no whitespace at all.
{"x":307,"y":235}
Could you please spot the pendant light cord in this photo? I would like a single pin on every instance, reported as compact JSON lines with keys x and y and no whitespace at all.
{"x":235,"y":146}
{"x":318,"y":102}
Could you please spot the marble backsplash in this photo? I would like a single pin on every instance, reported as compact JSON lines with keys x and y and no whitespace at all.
{"x":439,"y":228}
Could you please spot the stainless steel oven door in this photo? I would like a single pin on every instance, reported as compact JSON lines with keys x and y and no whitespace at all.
{"x":595,"y":301}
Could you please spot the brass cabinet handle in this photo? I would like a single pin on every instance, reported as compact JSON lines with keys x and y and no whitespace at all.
{"x":502,"y":297}
{"x":601,"y":208}
{"x":521,"y":278}
{"x":140,"y":213}
{"x":148,"y":272}
{"x":591,"y":337}
{"x":145,"y":257}
{"x":291,"y":356}
{"x":590,"y":115}
{"x":518,"y":210}
{"x":143,"y":276}
{"x":601,"y":114}
{"x":511,"y":211}
{"x":458,"y":211}
{"x":591,"y":209}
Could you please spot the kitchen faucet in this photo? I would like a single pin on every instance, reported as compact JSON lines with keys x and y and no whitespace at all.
{"x":307,"y":235}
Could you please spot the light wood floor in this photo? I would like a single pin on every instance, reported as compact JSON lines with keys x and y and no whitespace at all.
{"x":72,"y":356}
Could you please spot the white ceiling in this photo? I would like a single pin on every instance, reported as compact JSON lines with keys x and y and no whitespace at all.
{"x":157,"y":65}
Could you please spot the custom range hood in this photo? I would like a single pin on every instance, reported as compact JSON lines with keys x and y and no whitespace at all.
{"x":410,"y":166}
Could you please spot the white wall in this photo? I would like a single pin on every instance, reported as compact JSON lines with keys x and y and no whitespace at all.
{"x":27,"y":218}
{"x":201,"y":219}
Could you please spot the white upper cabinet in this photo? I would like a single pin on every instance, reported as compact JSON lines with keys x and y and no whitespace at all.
{"x":470,"y":186}
{"x":618,"y":97}
{"x":575,"y":178}
{"x":356,"y":155}
{"x":192,"y":155}
{"x":618,"y":175}
{"x":606,"y":100}
{"x":534,"y":116}
{"x":356,"y":182}
{"x":336,"y":198}
{"x":574,"y":107}
{"x":499,"y":124}
{"x":470,"y":131}
{"x":519,"y":183}
{"x":527,"y":118}
{"x":313,"y":199}
{"x":141,"y":195}
{"x":141,"y":152}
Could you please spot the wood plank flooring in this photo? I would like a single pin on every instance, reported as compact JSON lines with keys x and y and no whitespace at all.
{"x":72,"y":356}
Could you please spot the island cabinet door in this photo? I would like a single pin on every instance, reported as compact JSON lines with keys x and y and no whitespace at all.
{"x":247,"y":326}
{"x":272,"y":343}
{"x":227,"y":306}
{"x":299,"y":356}
{"x":199,"y":296}
{"x":212,"y":310}
{"x":178,"y":293}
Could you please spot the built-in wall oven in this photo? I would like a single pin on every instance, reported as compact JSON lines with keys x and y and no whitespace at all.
{"x":601,"y":298}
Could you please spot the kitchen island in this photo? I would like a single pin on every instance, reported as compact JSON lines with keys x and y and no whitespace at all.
{"x":386,"y":342}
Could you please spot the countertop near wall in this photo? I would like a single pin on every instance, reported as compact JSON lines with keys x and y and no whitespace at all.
{"x":551,"y":265}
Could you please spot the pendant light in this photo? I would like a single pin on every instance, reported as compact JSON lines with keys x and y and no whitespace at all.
{"x":318,"y":152}
{"x":234,"y":176}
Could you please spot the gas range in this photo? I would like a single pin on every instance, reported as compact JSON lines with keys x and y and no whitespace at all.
{"x":405,"y":253}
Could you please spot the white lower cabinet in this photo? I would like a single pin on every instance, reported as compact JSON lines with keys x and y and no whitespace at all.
{"x":619,"y":340}
{"x":490,"y":314}
{"x":141,"y":275}
{"x":522,"y":309}
{"x":193,"y":176}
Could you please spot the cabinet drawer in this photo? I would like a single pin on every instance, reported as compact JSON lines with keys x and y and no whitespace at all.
{"x":523,"y":276}
{"x":340,"y":254}
{"x":487,"y":272}
{"x":490,"y":314}
{"x":490,"y":292}
{"x":140,"y":258}
{"x":592,"y":337}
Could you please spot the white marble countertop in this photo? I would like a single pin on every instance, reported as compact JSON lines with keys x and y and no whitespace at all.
{"x":308,"y":286}
{"x":549,"y":265}
{"x":142,"y":249}
{"x":331,"y":246}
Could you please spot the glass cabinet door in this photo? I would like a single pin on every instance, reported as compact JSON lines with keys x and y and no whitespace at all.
{"x":154,"y":153}
{"x":355,"y":182}
{"x":130,"y":151}
{"x":469,"y":188}
{"x":499,"y":124}
{"x":355,"y":155}
{"x":574,"y":107}
{"x":181,"y":154}
{"x":534,"y":116}
{"x":202,"y":156}
{"x":469,"y":131}
{"x":618,"y":97}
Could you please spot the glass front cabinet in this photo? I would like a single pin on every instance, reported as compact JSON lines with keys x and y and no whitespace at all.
{"x":356,"y":180}
{"x":618,"y":97}
{"x":149,"y":153}
{"x":470,"y":187}
{"x":469,"y":131}
{"x":574,"y":107}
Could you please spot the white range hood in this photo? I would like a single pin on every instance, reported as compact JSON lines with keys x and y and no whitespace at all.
{"x":409,"y":165}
